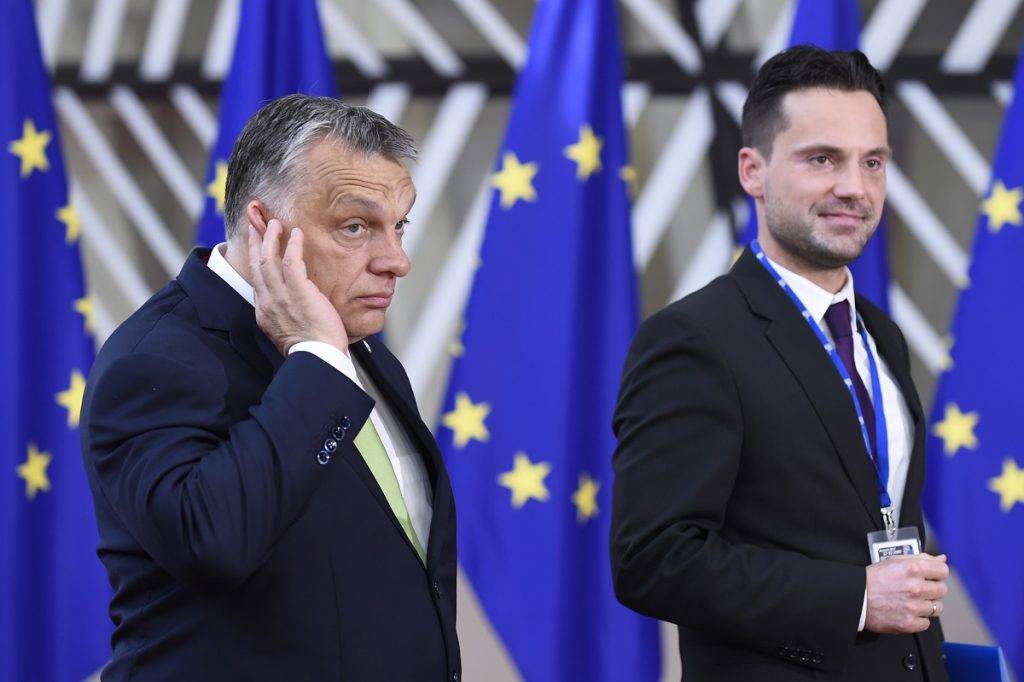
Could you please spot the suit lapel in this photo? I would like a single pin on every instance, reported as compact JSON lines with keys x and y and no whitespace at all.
{"x":799,"y":348}
{"x":220,"y":307}
{"x":889,"y":348}
{"x":254,"y":346}
{"x":410,"y":419}
{"x":355,"y":460}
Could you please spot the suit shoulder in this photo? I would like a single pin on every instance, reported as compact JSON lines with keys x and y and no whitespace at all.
{"x":165,"y":325}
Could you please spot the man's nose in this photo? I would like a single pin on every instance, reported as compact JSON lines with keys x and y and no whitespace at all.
{"x":390,"y":257}
{"x":850,"y":183}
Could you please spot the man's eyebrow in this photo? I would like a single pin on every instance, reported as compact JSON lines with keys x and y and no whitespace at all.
{"x":817,"y":147}
{"x":349,"y":199}
{"x":832,"y":149}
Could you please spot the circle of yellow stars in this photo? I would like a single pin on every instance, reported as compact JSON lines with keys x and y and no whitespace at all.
{"x":514,"y":181}
{"x":31,"y":150}
{"x":467,"y":420}
{"x":956,"y":429}
{"x":526,"y":480}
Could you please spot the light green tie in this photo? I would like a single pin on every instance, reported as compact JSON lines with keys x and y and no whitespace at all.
{"x":372,"y":449}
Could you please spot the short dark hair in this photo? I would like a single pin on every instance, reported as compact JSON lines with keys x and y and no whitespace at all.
{"x":265,"y":157}
{"x":799,"y":68}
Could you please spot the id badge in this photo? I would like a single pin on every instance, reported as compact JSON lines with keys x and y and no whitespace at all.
{"x":886,"y":544}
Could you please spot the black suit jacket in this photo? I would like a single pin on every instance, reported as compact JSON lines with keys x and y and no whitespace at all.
{"x":233,"y":552}
{"x":743,"y":490}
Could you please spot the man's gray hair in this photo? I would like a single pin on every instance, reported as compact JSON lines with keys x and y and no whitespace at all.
{"x":265,"y":160}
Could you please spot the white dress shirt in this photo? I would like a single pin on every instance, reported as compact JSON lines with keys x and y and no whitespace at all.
{"x":898,"y":420}
{"x":405,"y":460}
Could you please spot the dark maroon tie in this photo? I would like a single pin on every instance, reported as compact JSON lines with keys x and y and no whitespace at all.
{"x":837,"y":317}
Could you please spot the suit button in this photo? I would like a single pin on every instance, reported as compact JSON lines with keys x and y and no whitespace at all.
{"x":455,"y":676}
{"x":437,"y":589}
{"x":338,"y":432}
{"x":330,"y":445}
{"x":346,"y":422}
{"x":910,"y":662}
{"x":323,"y":457}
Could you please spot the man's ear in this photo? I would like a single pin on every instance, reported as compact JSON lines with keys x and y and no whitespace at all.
{"x":258,"y":215}
{"x":751,"y":168}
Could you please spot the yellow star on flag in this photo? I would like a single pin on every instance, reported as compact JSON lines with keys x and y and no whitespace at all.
{"x":585,"y":498}
{"x":31,"y":148}
{"x":586,"y":152}
{"x":1009,"y":485}
{"x":515,"y":180}
{"x":467,"y":420}
{"x":957,"y":429}
{"x":455,"y":347}
{"x":526,"y":480}
{"x":629,"y":176}
{"x":71,"y":399}
{"x":1003,"y":206}
{"x":33,"y":470}
{"x":946,"y":363}
{"x":83,"y":306}
{"x":218,"y":186}
{"x":69,"y":216}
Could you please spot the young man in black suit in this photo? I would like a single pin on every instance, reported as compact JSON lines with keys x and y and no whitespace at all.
{"x":745,"y":484}
{"x":270,"y":505}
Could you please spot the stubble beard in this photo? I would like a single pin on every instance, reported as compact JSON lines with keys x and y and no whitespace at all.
{"x":797,"y":236}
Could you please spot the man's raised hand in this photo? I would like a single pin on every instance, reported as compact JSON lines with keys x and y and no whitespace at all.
{"x":289,"y":306}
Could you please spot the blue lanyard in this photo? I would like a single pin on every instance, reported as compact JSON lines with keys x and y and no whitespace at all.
{"x":881,"y":467}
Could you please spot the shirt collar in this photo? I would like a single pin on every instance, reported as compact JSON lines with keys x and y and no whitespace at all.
{"x":220,"y":265}
{"x":814,"y":298}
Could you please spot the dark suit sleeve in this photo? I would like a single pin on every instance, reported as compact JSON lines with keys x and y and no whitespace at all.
{"x":680,"y":434}
{"x":204,"y":507}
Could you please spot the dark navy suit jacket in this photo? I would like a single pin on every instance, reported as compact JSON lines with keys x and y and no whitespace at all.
{"x":233,"y":551}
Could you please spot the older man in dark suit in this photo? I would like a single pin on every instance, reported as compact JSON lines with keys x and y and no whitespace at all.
{"x":768,"y":423}
{"x":270,"y":504}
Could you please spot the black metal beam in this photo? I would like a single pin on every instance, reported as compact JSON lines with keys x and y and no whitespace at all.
{"x":660,"y":71}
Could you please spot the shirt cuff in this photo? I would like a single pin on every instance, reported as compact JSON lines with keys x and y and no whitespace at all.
{"x":863,"y":612}
{"x":332,"y":355}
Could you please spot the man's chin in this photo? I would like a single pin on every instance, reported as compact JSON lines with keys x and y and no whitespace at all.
{"x":838,"y":252}
{"x":363,"y":324}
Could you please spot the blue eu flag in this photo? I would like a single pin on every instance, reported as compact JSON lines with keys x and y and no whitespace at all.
{"x":974,"y":496}
{"x":526,"y":425}
{"x":279,"y":51}
{"x":835,"y":25}
{"x":53,"y":590}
